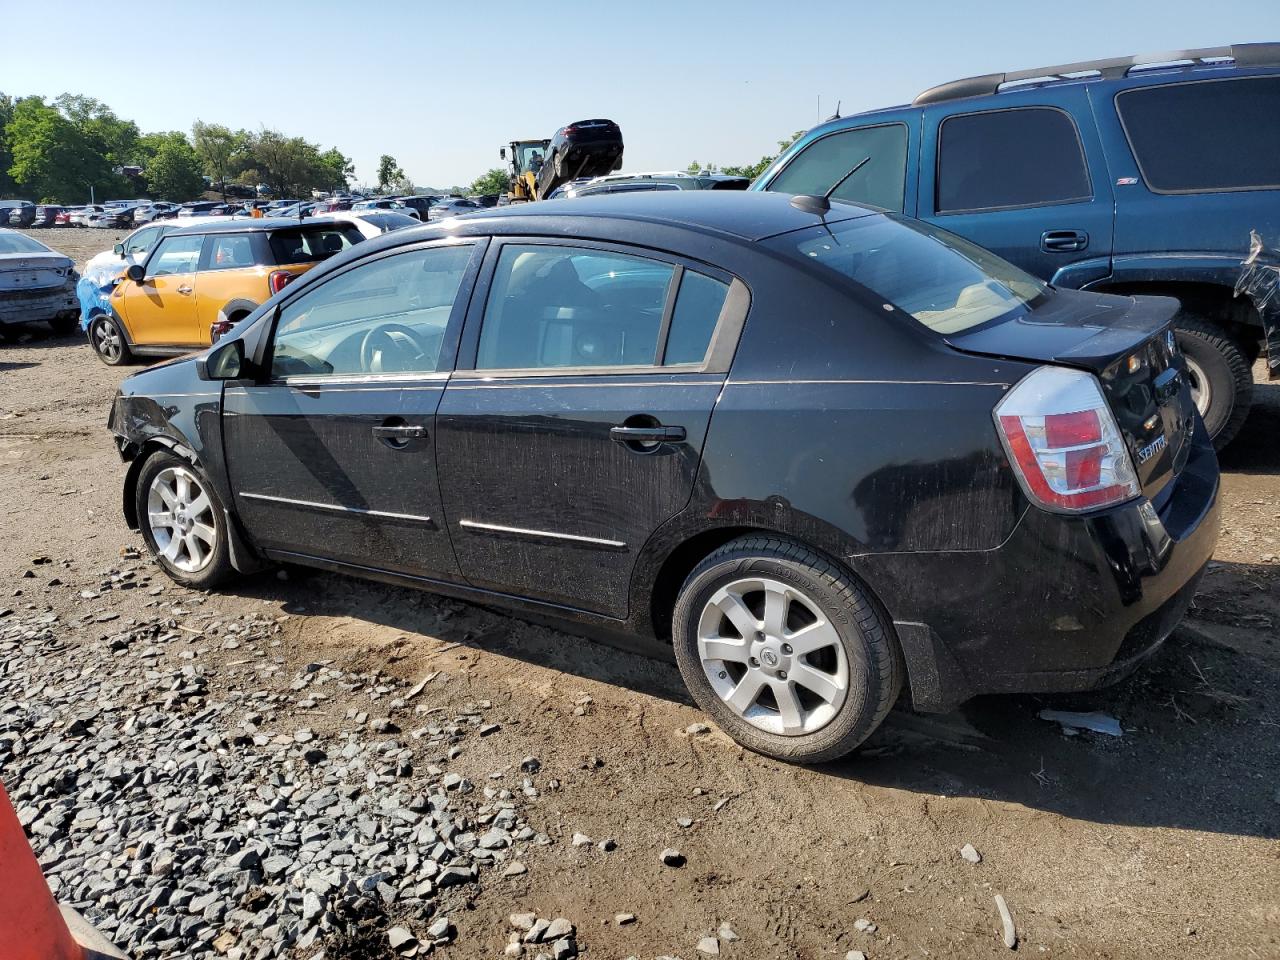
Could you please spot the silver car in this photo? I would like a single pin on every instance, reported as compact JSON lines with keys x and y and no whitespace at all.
{"x":36,"y":284}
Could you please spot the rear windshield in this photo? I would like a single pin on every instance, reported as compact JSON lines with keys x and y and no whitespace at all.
{"x":17,"y":243}
{"x":945,"y":282}
{"x":387,"y":220}
{"x":1210,"y":135}
{"x":309,"y":244}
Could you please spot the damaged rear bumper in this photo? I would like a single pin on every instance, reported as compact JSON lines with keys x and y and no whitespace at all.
{"x":1065,"y":604}
{"x":28,"y":306}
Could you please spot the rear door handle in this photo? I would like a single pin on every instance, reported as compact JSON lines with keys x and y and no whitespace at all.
{"x":404,"y":432}
{"x":647,"y":434}
{"x":1063,"y":241}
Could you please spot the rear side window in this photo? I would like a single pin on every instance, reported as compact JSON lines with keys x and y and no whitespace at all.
{"x":556,"y":306}
{"x":1010,"y":158}
{"x":1206,"y":136}
{"x":698,"y":306}
{"x":879,"y":182}
{"x":309,"y":244}
{"x":230,"y":251}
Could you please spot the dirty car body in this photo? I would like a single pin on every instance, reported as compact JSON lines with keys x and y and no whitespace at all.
{"x":826,"y":385}
{"x":36,"y":283}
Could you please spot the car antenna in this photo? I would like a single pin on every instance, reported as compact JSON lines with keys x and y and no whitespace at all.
{"x":811,"y":203}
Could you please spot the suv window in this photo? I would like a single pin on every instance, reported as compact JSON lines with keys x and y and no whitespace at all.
{"x":1022,"y":157}
{"x":552,"y":306}
{"x":1211,"y":135}
{"x":175,"y":255}
{"x":309,"y":244}
{"x":230,"y":251}
{"x":881,"y":180}
{"x":385,"y":316}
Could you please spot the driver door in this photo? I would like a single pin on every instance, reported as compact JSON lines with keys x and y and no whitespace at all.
{"x":161,"y":310}
{"x":332,"y":456}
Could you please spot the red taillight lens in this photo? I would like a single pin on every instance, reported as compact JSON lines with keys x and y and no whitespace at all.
{"x":218,"y":329}
{"x":1064,"y":443}
{"x":279,"y":279}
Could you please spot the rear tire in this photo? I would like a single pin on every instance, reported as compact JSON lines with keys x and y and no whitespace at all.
{"x":1220,"y":373}
{"x":108,"y":341}
{"x":803,"y":666}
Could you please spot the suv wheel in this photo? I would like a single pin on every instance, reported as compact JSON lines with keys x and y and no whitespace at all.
{"x":784,"y":650}
{"x":182,"y":522}
{"x":107,"y":340}
{"x":1220,"y":375}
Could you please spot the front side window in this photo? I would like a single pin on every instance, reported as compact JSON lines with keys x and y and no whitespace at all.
{"x":175,"y":255}
{"x":231,"y":251}
{"x":553,"y":306}
{"x":944,"y":282}
{"x":880,"y":181}
{"x":1206,"y":136}
{"x":142,"y":241}
{"x":384,"y":316}
{"x":1024,"y":157}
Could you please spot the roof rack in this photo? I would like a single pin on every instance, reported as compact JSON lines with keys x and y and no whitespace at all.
{"x":1239,"y":54}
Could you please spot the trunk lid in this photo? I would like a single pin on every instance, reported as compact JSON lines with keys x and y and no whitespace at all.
{"x":1107,"y":335}
{"x":33,"y":271}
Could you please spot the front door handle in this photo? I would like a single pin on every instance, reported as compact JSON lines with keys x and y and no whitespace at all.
{"x":184,"y":290}
{"x":1063,"y":241}
{"x":400,"y":432}
{"x":647,"y":434}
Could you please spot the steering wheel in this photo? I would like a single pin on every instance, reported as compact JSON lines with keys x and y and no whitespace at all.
{"x":391,"y":347}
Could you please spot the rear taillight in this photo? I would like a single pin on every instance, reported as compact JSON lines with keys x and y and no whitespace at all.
{"x":279,"y":279}
{"x":218,"y":328}
{"x":1063,"y":442}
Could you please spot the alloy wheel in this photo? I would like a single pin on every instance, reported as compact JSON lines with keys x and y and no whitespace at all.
{"x":107,"y":340}
{"x":180,"y":517}
{"x":1201,"y":388}
{"x":772,"y":656}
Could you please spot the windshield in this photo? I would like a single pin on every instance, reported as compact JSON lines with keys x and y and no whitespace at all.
{"x":943,"y":281}
{"x":17,"y":243}
{"x":525,"y":154}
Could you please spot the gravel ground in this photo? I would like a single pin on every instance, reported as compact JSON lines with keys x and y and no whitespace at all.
{"x":264,"y":772}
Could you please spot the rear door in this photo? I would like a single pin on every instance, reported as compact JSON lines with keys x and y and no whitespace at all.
{"x":575,"y":423}
{"x":1024,"y":179}
{"x":332,"y":456}
{"x":161,"y":310}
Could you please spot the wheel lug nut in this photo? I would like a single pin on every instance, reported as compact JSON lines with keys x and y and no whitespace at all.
{"x":782,"y":674}
{"x":786,"y":648}
{"x":723,"y":675}
{"x":754,"y":662}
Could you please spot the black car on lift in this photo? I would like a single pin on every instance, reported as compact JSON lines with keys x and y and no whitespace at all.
{"x":817,"y":451}
{"x":586,"y":148}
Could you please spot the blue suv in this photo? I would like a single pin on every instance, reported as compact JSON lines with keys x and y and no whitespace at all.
{"x":1137,"y":175}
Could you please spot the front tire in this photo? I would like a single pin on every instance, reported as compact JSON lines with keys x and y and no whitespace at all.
{"x":183,"y":522}
{"x":108,"y":341}
{"x":1220,"y":375}
{"x":784,"y":650}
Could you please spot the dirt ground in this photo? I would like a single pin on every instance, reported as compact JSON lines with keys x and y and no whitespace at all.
{"x":1160,"y":843}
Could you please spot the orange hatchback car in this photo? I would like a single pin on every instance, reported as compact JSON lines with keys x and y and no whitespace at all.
{"x":200,"y":281}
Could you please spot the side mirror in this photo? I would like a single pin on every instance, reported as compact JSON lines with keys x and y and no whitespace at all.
{"x":136,"y":273}
{"x":223,"y":362}
{"x":502,"y":153}
{"x":118,"y":249}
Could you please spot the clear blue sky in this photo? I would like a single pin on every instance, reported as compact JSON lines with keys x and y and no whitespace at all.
{"x":440,"y":85}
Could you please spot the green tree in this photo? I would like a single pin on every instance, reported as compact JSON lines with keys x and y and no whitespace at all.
{"x":52,"y":158}
{"x":219,"y":150}
{"x":342,"y":168}
{"x":105,"y":133}
{"x":389,"y":173}
{"x":6,"y":154}
{"x":174,"y":172}
{"x":755,"y":169}
{"x":491,"y":181}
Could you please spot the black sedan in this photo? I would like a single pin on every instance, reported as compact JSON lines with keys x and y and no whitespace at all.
{"x":818,"y":452}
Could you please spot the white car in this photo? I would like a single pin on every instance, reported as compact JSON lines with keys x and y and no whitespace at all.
{"x":132,"y":249}
{"x":374,"y":223}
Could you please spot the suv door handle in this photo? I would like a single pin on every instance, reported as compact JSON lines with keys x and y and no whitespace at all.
{"x":402,"y":432}
{"x":1063,"y":241}
{"x":647,"y":434}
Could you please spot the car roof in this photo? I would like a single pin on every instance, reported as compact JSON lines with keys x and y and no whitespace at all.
{"x":741,"y":214}
{"x":252,"y":224}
